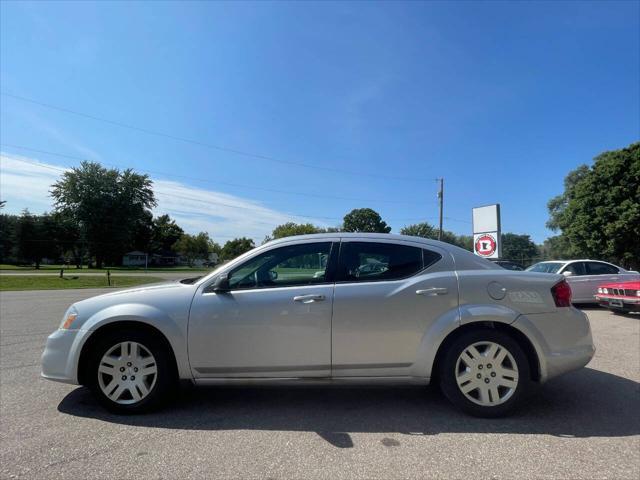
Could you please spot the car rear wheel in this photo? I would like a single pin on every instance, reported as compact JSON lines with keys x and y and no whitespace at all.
{"x":485,"y":373}
{"x":131,"y":372}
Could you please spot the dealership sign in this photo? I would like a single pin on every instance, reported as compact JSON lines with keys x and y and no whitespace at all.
{"x":485,"y":244}
{"x":486,"y":231}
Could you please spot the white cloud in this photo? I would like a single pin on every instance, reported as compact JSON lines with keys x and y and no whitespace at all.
{"x":25,"y":183}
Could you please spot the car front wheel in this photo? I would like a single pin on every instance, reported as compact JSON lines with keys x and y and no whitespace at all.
{"x":130,"y":372}
{"x":485,"y":373}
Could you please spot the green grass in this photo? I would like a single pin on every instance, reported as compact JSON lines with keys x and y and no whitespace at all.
{"x":37,"y":282}
{"x":71,"y":269}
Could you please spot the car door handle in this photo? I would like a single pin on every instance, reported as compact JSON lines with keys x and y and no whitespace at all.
{"x":308,"y":298}
{"x":432,"y":292}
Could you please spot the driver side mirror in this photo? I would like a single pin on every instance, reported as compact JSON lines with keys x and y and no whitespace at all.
{"x":567,"y":273}
{"x":222,"y":283}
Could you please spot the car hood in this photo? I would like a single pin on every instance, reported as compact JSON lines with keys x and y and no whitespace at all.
{"x":166,"y":286}
{"x":621,"y":285}
{"x":171,"y":298}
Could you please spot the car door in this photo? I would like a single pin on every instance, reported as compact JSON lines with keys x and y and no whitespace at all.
{"x":274,"y":322}
{"x":386,"y":296}
{"x":597,"y":274}
{"x":578,"y":280}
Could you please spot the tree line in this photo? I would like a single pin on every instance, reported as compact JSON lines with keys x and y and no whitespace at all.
{"x":100,"y":214}
{"x":598,"y":214}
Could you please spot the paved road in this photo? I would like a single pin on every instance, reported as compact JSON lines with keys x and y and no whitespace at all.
{"x":582,"y":425}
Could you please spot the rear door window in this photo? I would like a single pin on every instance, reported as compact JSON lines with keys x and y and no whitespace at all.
{"x":598,"y":268}
{"x":370,"y":261}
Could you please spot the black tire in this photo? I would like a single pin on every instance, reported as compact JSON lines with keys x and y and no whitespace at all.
{"x":449,"y":364}
{"x":166,"y":380}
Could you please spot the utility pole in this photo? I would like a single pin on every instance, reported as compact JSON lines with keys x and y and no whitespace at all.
{"x":440,"y":200}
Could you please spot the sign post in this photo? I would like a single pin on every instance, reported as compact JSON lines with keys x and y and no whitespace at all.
{"x":487,"y":240}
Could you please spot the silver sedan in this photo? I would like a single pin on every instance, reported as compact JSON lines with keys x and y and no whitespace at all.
{"x":313,"y":309}
{"x":585,"y":276}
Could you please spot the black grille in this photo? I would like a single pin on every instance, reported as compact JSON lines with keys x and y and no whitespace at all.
{"x":622,"y":291}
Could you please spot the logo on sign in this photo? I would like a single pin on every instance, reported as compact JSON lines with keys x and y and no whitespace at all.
{"x":485,"y":245}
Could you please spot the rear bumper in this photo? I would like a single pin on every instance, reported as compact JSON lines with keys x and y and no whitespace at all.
{"x":564,"y":361}
{"x":562,"y":340}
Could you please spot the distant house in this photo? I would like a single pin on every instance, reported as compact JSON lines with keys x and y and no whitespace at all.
{"x":164,"y":259}
{"x":134,"y":259}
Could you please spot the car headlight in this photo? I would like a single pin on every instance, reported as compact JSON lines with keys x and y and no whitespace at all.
{"x":599,"y":290}
{"x":604,"y":290}
{"x":69,"y":318}
{"x":637,"y":293}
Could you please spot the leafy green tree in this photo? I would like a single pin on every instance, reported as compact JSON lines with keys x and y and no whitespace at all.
{"x":142,"y":233}
{"x":290,"y":229}
{"x":236,"y":247}
{"x":462,"y":241}
{"x":33,"y":238}
{"x":556,"y":248}
{"x":107,"y":205}
{"x":364,"y":220}
{"x":426,"y":230}
{"x":194,"y":247}
{"x":8,"y":227}
{"x":165,"y":233}
{"x":519,"y":248}
{"x":423,"y":229}
{"x":68,"y":238}
{"x":599,"y":211}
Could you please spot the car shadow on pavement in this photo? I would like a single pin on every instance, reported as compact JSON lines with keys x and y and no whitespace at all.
{"x":587,"y":403}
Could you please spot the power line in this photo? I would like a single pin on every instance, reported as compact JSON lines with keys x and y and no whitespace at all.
{"x":253,"y":209}
{"x":193,"y":199}
{"x":234,"y":151}
{"x":214,"y":182}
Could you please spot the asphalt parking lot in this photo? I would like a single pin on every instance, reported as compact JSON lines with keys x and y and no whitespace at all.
{"x":582,"y":425}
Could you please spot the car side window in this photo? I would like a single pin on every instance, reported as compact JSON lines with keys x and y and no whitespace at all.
{"x":576,"y":268}
{"x":598,"y":268}
{"x":370,"y":261}
{"x":302,"y":264}
{"x":429,"y":257}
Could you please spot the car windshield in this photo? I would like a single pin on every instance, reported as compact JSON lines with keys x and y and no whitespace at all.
{"x":545,"y":267}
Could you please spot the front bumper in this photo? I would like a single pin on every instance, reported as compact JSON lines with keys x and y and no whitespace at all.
{"x":623,"y":304}
{"x":60,"y":352}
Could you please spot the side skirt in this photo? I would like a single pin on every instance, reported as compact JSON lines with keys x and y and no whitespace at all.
{"x":336,"y":381}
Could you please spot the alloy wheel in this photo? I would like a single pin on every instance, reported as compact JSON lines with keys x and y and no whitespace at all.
{"x":487,"y":373}
{"x":127,"y":373}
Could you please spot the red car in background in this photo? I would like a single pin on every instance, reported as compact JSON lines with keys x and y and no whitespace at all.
{"x":620,"y":297}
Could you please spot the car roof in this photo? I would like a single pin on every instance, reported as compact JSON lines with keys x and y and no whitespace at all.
{"x":464,"y":259}
{"x":576,"y":260}
{"x":365,"y":236}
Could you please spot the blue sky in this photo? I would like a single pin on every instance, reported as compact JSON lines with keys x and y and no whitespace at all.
{"x":501,"y":99}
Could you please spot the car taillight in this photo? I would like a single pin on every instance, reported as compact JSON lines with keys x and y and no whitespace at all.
{"x":561,"y":293}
